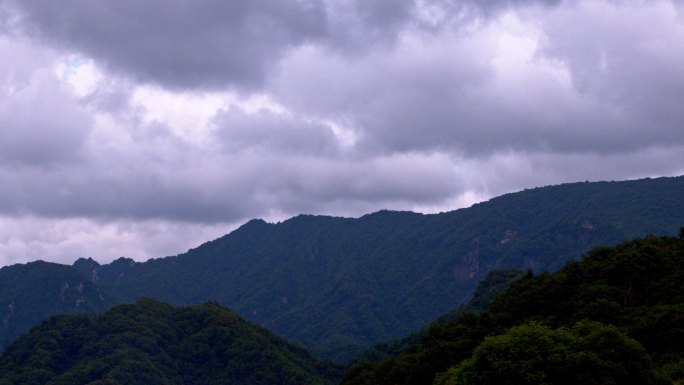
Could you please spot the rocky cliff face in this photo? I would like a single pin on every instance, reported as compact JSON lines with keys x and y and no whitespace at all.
{"x":30,"y":293}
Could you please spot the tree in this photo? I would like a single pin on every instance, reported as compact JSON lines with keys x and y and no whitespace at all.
{"x":586,"y":354}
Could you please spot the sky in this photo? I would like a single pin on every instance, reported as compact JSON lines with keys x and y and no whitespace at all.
{"x":143,"y":129}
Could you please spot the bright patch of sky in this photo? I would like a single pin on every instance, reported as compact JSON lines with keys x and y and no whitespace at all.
{"x":80,"y":73}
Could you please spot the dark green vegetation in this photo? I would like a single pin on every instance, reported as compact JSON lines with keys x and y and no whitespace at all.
{"x":31,"y":292}
{"x":615,"y":317}
{"x":495,"y":283}
{"x":154,"y":343}
{"x":587,"y":353}
{"x":338,"y":285}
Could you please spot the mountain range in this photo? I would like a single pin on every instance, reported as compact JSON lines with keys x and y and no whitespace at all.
{"x":613,"y":317}
{"x":338,"y":285}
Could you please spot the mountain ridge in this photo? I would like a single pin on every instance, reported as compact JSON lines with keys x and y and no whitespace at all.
{"x":338,"y":285}
{"x":34,"y":290}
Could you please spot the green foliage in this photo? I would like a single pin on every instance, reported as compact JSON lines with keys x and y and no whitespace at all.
{"x":636,"y":287}
{"x":441,"y":346}
{"x":338,"y":285}
{"x":588,"y":353}
{"x":154,"y":343}
{"x":495,"y":283}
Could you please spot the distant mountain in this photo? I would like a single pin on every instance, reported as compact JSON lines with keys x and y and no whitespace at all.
{"x":154,"y":343}
{"x":31,"y":292}
{"x":615,"y":317}
{"x":338,"y":285}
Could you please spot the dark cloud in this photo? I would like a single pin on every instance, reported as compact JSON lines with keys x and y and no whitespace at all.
{"x":131,"y":169}
{"x":341,"y":108}
{"x":499,"y":4}
{"x":180,"y":43}
{"x":270,"y":132}
{"x":357,"y":26}
{"x":41,"y":134}
{"x":125,"y":192}
{"x":628,"y":60}
{"x":384,"y":14}
{"x":223,"y":188}
{"x":608,"y":86}
{"x":41,"y":124}
{"x":210,"y":44}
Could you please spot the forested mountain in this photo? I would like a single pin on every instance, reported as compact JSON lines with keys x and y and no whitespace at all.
{"x":31,"y":292}
{"x":615,"y":317}
{"x":495,"y":283}
{"x":154,"y":343}
{"x":338,"y":285}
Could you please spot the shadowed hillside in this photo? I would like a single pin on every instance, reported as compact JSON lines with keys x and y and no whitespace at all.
{"x":338,"y":285}
{"x":31,"y":292}
{"x":615,"y":317}
{"x":154,"y":343}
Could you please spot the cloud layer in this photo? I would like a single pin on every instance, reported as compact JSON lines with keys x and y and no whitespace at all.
{"x":141,"y":130}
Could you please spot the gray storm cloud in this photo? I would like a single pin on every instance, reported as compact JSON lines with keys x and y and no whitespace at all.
{"x":214,"y":44}
{"x":40,"y":127}
{"x":264,"y":130}
{"x":209,"y":44}
{"x":614,"y":86}
{"x":274,"y":108}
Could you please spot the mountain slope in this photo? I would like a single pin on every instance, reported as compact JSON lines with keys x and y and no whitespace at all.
{"x":154,"y":343}
{"x":338,"y":284}
{"x":495,"y":283}
{"x":30,"y":293}
{"x":635,"y":286}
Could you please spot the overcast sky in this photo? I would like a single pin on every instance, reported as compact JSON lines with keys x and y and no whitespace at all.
{"x":144,"y":128}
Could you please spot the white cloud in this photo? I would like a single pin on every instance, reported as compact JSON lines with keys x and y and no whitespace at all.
{"x":82,"y":74}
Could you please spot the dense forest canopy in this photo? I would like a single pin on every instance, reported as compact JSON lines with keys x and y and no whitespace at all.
{"x":339,"y":285}
{"x":615,"y":316}
{"x":544,"y":328}
{"x":154,"y":343}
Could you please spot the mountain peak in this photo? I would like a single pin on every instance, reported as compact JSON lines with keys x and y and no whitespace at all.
{"x":88,"y":263}
{"x":256,"y":223}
